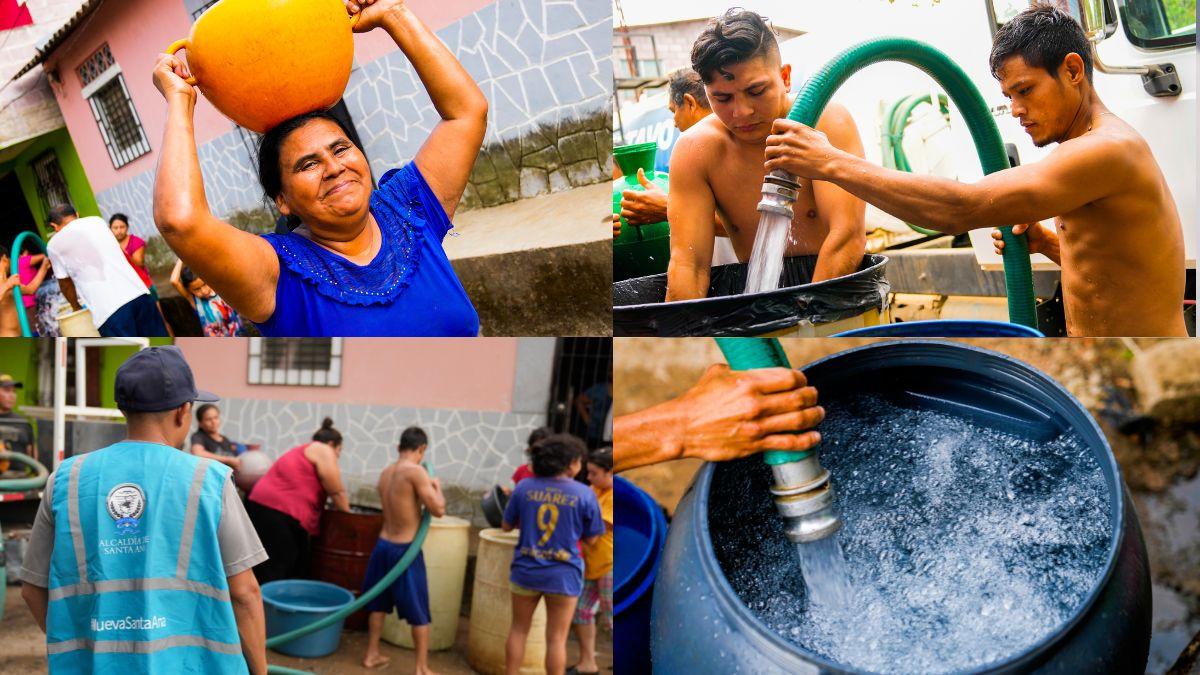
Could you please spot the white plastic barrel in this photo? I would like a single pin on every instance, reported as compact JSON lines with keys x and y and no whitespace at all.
{"x":77,"y":324}
{"x":445,"y":551}
{"x":491,"y":610}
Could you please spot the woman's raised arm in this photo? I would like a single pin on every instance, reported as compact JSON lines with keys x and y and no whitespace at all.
{"x":239,"y":266}
{"x":446,"y":157}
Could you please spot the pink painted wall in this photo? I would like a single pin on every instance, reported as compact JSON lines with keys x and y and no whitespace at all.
{"x":136,"y":32}
{"x":464,"y":374}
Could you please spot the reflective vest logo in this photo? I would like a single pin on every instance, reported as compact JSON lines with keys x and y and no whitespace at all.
{"x":126,"y":502}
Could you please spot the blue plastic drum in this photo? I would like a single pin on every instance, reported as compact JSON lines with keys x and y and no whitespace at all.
{"x":639,"y":532}
{"x":946,"y":329}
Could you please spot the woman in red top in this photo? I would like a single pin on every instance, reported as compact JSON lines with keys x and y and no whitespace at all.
{"x":285,"y":505}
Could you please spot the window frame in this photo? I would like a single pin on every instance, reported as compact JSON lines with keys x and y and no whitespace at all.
{"x":256,"y":374}
{"x":91,"y":92}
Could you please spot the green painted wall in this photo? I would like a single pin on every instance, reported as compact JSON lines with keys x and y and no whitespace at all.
{"x":82,"y":197}
{"x":112,"y":359}
{"x":18,"y":357}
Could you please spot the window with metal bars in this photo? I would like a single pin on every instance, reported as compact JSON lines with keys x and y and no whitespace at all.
{"x":118,"y":121}
{"x":306,"y":362}
{"x":51,"y":186}
{"x":197,"y":7}
{"x":581,"y":390}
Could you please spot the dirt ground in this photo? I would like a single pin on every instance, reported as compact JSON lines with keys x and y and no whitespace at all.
{"x":23,"y":650}
{"x":1159,"y":458}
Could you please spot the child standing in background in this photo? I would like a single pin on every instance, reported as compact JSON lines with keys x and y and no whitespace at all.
{"x":217,"y":318}
{"x":553,"y":512}
{"x":597,"y":595}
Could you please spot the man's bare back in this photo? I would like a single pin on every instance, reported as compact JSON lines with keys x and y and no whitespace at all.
{"x":401,"y":503}
{"x":1122,"y":254}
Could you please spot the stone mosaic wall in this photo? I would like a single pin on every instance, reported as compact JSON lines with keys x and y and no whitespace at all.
{"x":472,"y":450}
{"x":545,"y":67}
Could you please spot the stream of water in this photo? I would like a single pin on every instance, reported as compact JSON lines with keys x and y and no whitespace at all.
{"x":766,"y":260}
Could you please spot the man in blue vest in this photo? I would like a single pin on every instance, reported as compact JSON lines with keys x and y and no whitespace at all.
{"x":140,"y":557}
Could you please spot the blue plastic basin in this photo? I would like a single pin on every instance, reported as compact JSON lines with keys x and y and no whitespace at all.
{"x":639,"y":533}
{"x":948,"y":328}
{"x":294,"y":603}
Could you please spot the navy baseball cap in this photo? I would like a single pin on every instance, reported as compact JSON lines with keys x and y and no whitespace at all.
{"x":157,"y":379}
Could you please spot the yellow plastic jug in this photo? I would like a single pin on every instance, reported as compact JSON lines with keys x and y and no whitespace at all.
{"x":261,"y":62}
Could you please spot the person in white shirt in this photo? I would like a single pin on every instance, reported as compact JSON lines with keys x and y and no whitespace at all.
{"x":88,"y":262}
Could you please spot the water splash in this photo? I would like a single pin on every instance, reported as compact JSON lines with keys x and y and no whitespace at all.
{"x":964,"y":543}
{"x":824,"y":568}
{"x":766,"y":260}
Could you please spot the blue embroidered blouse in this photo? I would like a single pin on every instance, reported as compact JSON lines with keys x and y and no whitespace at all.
{"x":409,"y":289}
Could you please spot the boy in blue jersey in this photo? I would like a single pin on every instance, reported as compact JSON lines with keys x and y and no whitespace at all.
{"x":553,"y":512}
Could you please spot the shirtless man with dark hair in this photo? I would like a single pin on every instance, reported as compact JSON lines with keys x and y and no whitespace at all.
{"x":717,"y":165}
{"x":1117,"y":234}
{"x":404,"y":487}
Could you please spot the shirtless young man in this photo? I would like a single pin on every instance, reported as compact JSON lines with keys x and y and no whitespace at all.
{"x":717,"y":165}
{"x":404,"y":487}
{"x":1117,"y":237}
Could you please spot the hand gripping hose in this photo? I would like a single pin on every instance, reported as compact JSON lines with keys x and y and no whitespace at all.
{"x":402,"y":564}
{"x":1018,"y":274}
{"x":14,"y":268}
{"x":802,"y":490}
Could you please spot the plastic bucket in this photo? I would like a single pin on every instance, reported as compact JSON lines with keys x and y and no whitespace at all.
{"x":77,"y":324}
{"x":800,"y":308}
{"x":639,"y":532}
{"x":294,"y":603}
{"x":950,"y":328}
{"x":1109,"y":631}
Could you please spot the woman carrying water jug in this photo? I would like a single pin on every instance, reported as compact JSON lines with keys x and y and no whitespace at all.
{"x":357,"y":261}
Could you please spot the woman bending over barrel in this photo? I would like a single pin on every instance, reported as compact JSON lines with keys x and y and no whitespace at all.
{"x":358,"y":261}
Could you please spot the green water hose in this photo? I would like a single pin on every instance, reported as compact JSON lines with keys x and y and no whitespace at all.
{"x":751,"y":353}
{"x":892,"y":142}
{"x":17,"y":485}
{"x":1018,"y":273}
{"x":34,"y":482}
{"x":414,"y":549}
{"x":16,"y":269}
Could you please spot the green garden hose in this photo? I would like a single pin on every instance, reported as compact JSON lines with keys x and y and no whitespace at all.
{"x":16,"y":269}
{"x":751,"y":353}
{"x":894,"y":124}
{"x":414,"y":549}
{"x":1018,"y":273}
{"x":34,"y":482}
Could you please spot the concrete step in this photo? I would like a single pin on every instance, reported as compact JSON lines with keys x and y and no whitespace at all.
{"x":540,"y":266}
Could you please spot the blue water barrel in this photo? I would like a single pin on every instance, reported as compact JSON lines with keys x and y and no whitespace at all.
{"x":639,"y":532}
{"x":945,"y":329}
{"x":700,"y":625}
{"x":294,"y":603}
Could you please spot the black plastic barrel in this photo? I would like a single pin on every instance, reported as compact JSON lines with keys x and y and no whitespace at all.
{"x":639,"y":310}
{"x":700,"y":625}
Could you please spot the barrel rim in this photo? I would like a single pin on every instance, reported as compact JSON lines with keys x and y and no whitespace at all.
{"x":642,"y":580}
{"x":877,"y":261}
{"x":711,"y":568}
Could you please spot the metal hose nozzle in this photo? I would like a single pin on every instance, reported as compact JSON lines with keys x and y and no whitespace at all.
{"x":804,"y":498}
{"x":779,"y":192}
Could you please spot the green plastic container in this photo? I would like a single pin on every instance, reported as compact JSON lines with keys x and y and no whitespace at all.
{"x":641,"y":250}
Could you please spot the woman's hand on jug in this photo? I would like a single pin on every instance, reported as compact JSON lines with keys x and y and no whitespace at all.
{"x":170,"y":77}
{"x":374,"y":12}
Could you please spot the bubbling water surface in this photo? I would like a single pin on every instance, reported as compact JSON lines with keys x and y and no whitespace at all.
{"x":963,"y":544}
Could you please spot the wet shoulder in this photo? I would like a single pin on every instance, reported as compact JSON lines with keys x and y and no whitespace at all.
{"x":706,"y":143}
